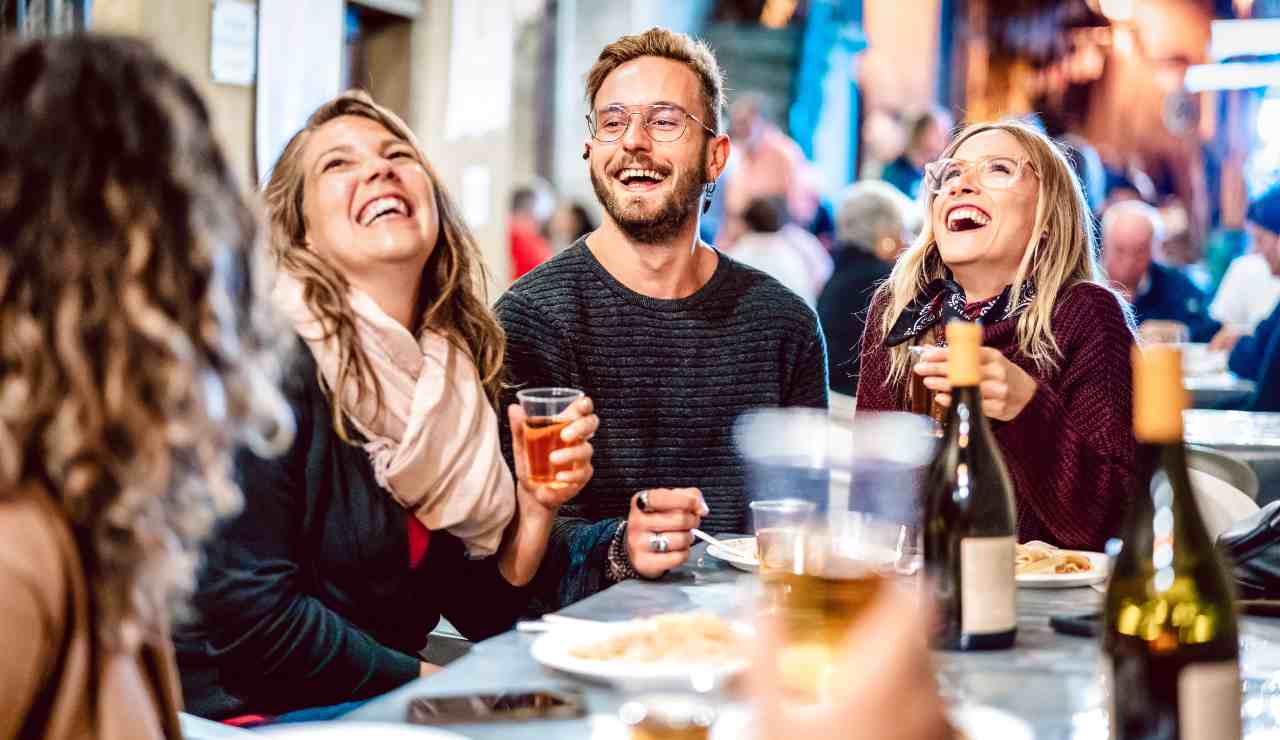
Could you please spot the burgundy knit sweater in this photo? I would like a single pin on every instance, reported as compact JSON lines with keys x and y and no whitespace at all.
{"x":1071,"y":451}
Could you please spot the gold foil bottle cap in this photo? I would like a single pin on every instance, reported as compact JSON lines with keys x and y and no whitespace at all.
{"x":1159,"y":397}
{"x":964,"y":338}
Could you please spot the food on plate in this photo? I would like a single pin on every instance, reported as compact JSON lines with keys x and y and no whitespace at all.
{"x":1041,"y":558}
{"x":693,"y":637}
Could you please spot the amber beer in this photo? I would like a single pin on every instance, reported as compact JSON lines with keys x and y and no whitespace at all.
{"x":816,"y":598}
{"x":545,"y":419}
{"x":541,"y":438}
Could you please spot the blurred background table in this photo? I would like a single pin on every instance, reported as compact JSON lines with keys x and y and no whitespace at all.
{"x":1210,"y":391}
{"x":1252,"y":437}
{"x":1049,"y":680}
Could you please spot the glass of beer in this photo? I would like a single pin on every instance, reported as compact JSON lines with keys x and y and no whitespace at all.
{"x":863,"y":480}
{"x":545,"y":419}
{"x":778,"y":526}
{"x":922,"y":399}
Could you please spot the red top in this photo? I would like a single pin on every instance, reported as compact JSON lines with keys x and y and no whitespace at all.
{"x":1071,"y":452}
{"x":528,"y":248}
{"x":419,"y":538}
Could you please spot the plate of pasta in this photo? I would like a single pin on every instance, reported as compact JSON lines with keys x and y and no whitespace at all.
{"x":667,"y":647}
{"x":1041,"y":565}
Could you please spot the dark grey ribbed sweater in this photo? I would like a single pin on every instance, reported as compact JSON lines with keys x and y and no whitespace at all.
{"x":668,"y":378}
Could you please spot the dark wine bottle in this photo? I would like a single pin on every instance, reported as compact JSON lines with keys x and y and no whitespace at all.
{"x":1170,"y":639}
{"x":969,"y":522}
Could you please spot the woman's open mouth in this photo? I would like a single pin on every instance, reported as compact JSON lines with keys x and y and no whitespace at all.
{"x":967,"y":218}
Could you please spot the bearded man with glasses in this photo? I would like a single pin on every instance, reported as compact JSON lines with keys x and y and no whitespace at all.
{"x":672,"y":339}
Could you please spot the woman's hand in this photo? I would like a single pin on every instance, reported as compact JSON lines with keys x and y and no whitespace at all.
{"x":538,"y":503}
{"x":1006,"y":388}
{"x":891,"y":636}
{"x":538,"y":499}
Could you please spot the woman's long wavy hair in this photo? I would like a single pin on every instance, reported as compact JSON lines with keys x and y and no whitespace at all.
{"x":1060,"y":254}
{"x":133,"y":357}
{"x":453,"y":300}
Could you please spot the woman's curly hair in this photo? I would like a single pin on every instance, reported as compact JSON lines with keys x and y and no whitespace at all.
{"x":133,"y":352}
{"x":453,"y":279}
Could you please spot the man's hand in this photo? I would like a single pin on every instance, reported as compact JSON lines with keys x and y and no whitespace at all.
{"x":658,"y":537}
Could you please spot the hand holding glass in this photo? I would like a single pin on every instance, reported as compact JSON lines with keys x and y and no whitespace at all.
{"x":545,"y":420}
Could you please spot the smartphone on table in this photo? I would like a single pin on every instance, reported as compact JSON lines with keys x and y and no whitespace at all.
{"x":564,"y":703}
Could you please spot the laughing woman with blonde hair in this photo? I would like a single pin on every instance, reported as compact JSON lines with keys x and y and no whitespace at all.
{"x":1009,"y":243}
{"x":394,"y":506}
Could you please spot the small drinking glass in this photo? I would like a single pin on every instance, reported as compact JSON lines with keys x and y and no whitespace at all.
{"x":1163,"y":332}
{"x":778,"y":524}
{"x":923,"y":400}
{"x":545,"y":419}
{"x":668,"y":716}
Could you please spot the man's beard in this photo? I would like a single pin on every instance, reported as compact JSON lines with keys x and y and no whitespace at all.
{"x":662,"y":224}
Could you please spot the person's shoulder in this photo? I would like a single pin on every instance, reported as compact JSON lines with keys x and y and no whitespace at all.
{"x":1086,"y":303}
{"x":764,"y":296}
{"x":1176,"y":279}
{"x":35,"y":541}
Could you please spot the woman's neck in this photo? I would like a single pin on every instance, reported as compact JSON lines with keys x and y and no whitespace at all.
{"x":981,"y":282}
{"x":395,"y":291}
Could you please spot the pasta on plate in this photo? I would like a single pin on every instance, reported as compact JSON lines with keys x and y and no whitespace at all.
{"x":1041,"y":558}
{"x":696,"y":637}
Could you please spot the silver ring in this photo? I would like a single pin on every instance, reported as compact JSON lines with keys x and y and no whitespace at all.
{"x":642,"y":502}
{"x":658,"y":543}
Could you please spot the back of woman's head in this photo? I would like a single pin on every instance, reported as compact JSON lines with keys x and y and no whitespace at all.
{"x":130,"y":345}
{"x":453,"y":279}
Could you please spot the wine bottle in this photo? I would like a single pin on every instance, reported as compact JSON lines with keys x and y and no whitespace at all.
{"x":969,"y":541}
{"x":1170,"y":640}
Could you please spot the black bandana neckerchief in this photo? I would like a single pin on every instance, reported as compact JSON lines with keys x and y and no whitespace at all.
{"x":943,"y":300}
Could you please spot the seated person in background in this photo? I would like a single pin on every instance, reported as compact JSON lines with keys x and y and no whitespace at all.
{"x":1252,"y":355}
{"x":394,"y":505}
{"x":672,"y":339}
{"x":782,"y":250}
{"x":1008,"y":242}
{"x":1250,"y":291}
{"x":132,"y":351}
{"x":529,"y":248}
{"x":874,"y":223}
{"x":1131,"y":234}
{"x":927,"y":135}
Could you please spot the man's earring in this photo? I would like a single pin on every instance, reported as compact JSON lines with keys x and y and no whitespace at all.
{"x":707,"y":191}
{"x":586,"y":152}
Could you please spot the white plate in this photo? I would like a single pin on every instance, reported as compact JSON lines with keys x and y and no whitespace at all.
{"x":553,"y":650}
{"x":1101,"y":566}
{"x":355,"y":731}
{"x":735,"y":556}
{"x":979,"y":722}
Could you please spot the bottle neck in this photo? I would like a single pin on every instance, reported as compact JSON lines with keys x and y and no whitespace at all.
{"x":965,"y":417}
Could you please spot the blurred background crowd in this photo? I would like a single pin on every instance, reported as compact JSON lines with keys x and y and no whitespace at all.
{"x":1170,"y":108}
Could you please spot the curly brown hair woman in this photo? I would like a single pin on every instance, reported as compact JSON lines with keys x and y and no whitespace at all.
{"x":131,"y":361}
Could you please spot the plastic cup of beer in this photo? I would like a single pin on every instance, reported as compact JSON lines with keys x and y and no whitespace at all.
{"x":545,"y":419}
{"x":923,"y":401}
{"x":865,"y":477}
{"x":668,"y":716}
{"x":778,"y":525}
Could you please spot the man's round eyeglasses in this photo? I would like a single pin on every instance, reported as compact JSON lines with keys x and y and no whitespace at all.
{"x":997,"y":173}
{"x":662,"y":122}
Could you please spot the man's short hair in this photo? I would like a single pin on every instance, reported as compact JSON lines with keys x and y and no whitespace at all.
{"x":679,"y":47}
{"x":869,"y":208}
{"x":918,"y":124}
{"x":1135,"y":208}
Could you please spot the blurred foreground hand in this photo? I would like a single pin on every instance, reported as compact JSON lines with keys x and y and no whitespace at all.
{"x":887,"y":689}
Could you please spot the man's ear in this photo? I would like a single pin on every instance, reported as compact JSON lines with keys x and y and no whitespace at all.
{"x":717,"y":157}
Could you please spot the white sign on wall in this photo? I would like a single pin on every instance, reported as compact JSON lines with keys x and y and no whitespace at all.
{"x":300,"y":51}
{"x":233,"y":43}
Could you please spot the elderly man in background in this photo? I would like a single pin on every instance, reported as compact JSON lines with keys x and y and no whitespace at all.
{"x":1161,"y":296}
{"x":874,"y":223}
{"x":927,"y":135}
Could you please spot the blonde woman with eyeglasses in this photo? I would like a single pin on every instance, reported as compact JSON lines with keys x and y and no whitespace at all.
{"x":1009,"y":243}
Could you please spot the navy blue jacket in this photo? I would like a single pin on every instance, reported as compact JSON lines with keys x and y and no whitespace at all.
{"x":1257,"y":357}
{"x":1171,"y":296}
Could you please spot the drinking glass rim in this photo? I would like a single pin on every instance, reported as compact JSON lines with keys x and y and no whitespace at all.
{"x":783,"y":505}
{"x":549,"y":394}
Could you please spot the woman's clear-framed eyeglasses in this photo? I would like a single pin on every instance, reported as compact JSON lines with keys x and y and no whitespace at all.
{"x":997,"y":173}
{"x":663,"y":122}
